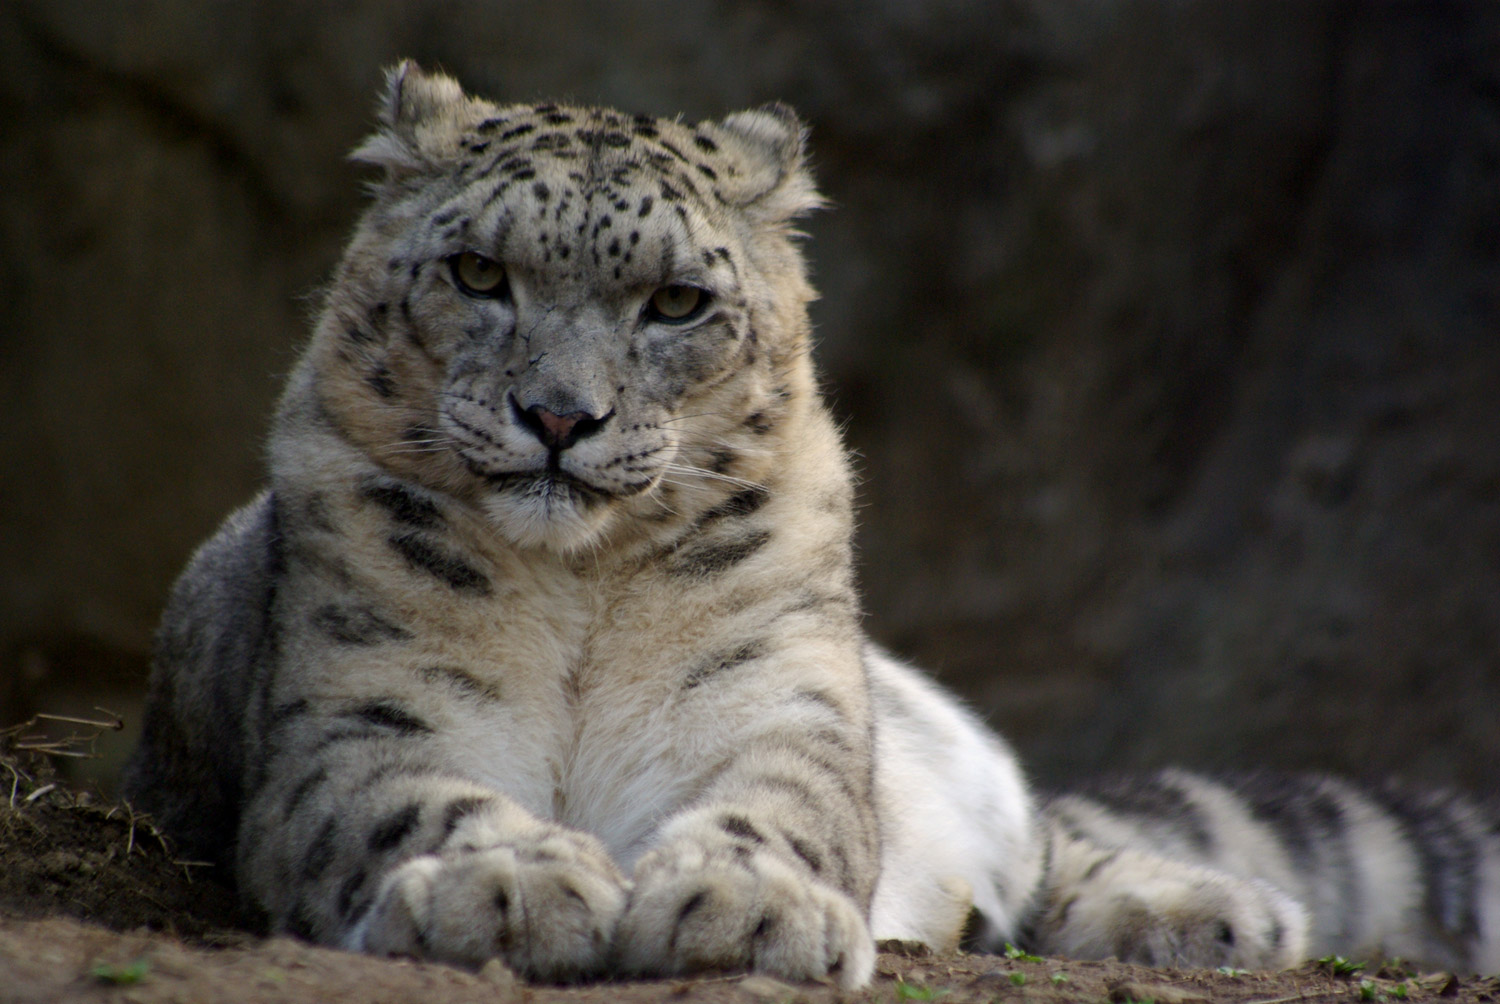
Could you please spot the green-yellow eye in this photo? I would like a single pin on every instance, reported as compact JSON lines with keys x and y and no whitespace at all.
{"x":477,"y":275}
{"x":677,"y":304}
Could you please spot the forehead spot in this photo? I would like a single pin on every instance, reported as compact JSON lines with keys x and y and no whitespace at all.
{"x":672,"y":150}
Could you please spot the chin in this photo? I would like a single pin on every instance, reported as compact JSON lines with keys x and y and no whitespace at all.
{"x":550,"y":514}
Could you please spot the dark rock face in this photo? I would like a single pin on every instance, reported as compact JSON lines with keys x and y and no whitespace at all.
{"x":1169,"y":333}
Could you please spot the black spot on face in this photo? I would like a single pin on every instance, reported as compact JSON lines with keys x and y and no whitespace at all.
{"x":759,"y":424}
{"x":704,"y":143}
{"x":379,"y":380}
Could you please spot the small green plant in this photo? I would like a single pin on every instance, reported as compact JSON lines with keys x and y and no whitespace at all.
{"x":1399,"y":991}
{"x":1231,"y":971}
{"x":1058,"y":979}
{"x":915,"y":992}
{"x":1018,"y":978}
{"x":123,"y":975}
{"x":1012,"y":952}
{"x":1369,"y":992}
{"x":1340,"y":966}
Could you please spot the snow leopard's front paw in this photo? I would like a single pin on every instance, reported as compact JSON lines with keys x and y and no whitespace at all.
{"x":1148,"y":910}
{"x":547,"y":904}
{"x":695,"y":908}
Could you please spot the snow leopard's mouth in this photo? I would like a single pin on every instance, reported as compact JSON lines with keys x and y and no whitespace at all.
{"x":551,"y":486}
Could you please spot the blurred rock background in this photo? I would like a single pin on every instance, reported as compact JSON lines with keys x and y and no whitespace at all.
{"x":1168,"y":333}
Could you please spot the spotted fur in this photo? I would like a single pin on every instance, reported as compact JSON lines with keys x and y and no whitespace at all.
{"x":543,"y":643}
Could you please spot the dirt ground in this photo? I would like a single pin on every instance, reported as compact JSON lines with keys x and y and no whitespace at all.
{"x":94,"y":907}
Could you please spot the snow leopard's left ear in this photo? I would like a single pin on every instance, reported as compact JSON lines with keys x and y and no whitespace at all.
{"x":770,"y":179}
{"x":422,"y":115}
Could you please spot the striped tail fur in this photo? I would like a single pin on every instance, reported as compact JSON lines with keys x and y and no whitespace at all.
{"x":1295,"y":866}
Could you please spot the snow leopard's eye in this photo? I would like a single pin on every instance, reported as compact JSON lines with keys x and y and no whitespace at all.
{"x":477,"y":275}
{"x":677,"y":304}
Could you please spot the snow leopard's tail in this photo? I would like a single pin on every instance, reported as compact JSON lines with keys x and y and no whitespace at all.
{"x":1381,"y":872}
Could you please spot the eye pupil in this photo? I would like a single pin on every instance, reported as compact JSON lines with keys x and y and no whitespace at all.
{"x":477,"y":275}
{"x":677,"y":303}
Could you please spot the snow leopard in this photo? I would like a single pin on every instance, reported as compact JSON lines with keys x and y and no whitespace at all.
{"x":542,"y":642}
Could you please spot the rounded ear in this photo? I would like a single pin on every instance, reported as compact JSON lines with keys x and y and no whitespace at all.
{"x":774,"y":184}
{"x":413,"y":108}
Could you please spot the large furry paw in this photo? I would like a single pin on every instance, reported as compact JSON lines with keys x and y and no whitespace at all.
{"x":693,"y":909}
{"x":1144,"y":909}
{"x":548,"y":905}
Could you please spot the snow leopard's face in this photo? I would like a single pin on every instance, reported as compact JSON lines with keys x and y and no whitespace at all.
{"x":555,"y":311}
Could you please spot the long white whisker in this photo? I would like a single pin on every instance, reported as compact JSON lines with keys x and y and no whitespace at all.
{"x":760,"y":451}
{"x":701,"y":472}
{"x":436,"y":446}
{"x":701,"y":414}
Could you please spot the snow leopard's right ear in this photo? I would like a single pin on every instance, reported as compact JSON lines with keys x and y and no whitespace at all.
{"x":421,"y":116}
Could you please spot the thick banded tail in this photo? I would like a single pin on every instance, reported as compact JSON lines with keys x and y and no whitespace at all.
{"x":1384,"y":871}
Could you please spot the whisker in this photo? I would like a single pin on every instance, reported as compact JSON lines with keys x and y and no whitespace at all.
{"x":435,"y":441}
{"x":759,"y":451}
{"x":701,"y":472}
{"x":436,"y":446}
{"x":701,"y":414}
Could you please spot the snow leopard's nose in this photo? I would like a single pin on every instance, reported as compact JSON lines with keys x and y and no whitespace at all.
{"x":558,"y":432}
